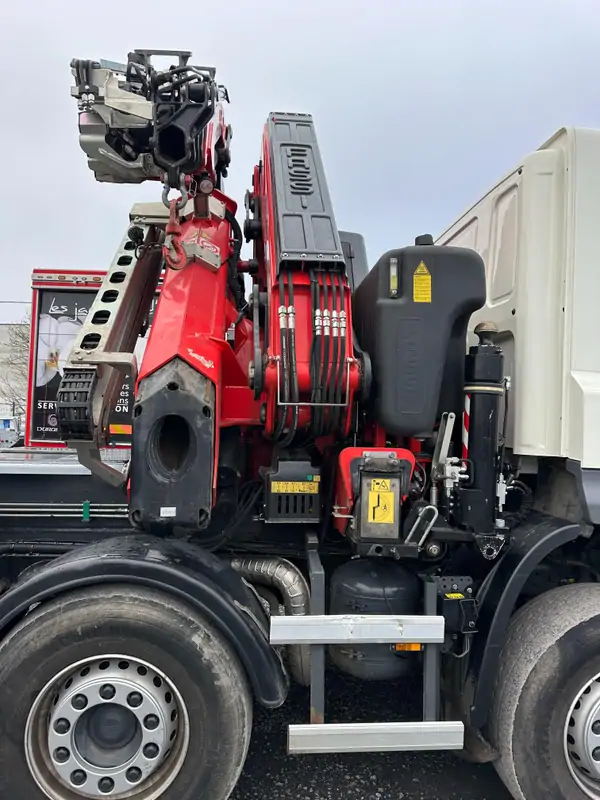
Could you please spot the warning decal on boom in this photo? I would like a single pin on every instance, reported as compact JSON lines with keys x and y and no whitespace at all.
{"x":421,"y":284}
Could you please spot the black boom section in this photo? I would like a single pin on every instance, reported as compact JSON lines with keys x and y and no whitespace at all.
{"x":411,"y":314}
{"x":173,"y":449}
{"x":305,"y":227}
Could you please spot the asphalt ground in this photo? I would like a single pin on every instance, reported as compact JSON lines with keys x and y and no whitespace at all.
{"x":270,"y":774}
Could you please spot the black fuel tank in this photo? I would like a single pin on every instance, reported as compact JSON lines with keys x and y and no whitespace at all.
{"x":411,"y":314}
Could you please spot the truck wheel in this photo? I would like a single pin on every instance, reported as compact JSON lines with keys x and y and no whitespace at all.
{"x":115,"y":692}
{"x":545,"y":720}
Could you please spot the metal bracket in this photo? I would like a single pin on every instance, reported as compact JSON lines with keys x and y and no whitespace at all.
{"x":431,"y":659}
{"x":426,"y":519}
{"x":442,"y":445}
{"x":317,"y":652}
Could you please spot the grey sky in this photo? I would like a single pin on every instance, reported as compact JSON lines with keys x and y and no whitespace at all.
{"x":419,"y":106}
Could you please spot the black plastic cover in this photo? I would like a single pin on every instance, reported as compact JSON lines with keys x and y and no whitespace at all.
{"x":305,"y":227}
{"x":411,"y":314}
{"x":172,"y":451}
{"x":355,"y":256}
{"x":293,"y":492}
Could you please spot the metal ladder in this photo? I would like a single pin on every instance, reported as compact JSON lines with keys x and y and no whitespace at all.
{"x":103,"y":349}
{"x":320,"y":629}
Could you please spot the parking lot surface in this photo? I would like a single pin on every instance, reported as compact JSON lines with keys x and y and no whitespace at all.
{"x":270,"y":774}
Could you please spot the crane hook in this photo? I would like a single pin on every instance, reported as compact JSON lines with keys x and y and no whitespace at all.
{"x":173,"y":250}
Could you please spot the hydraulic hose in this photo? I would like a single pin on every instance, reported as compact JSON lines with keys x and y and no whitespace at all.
{"x":322,"y":388}
{"x":284,"y":376}
{"x":236,"y":280}
{"x":342,"y":354}
{"x":291,"y":331}
{"x":315,"y":343}
{"x":334,"y":352}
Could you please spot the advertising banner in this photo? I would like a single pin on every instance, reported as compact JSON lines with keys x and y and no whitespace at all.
{"x":59,"y":315}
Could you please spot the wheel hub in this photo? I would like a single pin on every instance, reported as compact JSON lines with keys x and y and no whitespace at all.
{"x":111,"y":726}
{"x":582,"y":739}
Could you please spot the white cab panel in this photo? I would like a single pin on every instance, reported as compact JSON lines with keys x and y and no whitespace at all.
{"x":538,"y":231}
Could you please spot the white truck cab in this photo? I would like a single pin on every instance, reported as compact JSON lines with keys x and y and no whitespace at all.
{"x":537,"y":230}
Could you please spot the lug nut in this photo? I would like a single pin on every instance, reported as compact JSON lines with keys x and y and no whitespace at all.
{"x":133,"y":774}
{"x":151,"y":722}
{"x":78,"y":778}
{"x":596,"y":728}
{"x":61,"y":754}
{"x":107,"y":692}
{"x":106,"y":785}
{"x":62,"y":726}
{"x":79,"y":702}
{"x":151,"y":750}
{"x":135,"y":699}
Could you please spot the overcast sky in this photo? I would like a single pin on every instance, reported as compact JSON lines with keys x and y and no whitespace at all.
{"x":419,"y":106}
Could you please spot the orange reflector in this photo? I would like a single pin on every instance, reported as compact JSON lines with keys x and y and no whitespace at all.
{"x":412,"y":646}
{"x":120,"y":429}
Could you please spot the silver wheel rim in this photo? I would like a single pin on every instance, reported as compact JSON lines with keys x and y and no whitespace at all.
{"x":107,"y":727}
{"x":581,"y":738}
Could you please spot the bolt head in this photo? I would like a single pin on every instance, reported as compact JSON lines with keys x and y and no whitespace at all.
{"x":135,"y":699}
{"x":79,"y":702}
{"x":106,"y":785}
{"x":61,"y":754}
{"x":78,"y":777}
{"x":62,"y":726}
{"x":133,"y":774}
{"x":151,"y":722}
{"x":107,"y":692}
{"x":151,"y":750}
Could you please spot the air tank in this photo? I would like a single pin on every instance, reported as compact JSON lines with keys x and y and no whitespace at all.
{"x":373,"y":586}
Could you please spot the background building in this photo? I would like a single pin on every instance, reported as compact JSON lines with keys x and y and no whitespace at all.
{"x":14,"y":363}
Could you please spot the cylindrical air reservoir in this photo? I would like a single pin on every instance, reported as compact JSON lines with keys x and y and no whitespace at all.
{"x":373,"y":586}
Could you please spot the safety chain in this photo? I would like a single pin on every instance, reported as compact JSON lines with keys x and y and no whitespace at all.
{"x":173,"y":250}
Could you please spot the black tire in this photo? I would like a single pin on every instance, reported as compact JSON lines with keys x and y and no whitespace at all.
{"x":552,"y":650}
{"x":144,"y":625}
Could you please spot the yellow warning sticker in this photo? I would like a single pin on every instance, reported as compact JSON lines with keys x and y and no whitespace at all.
{"x":295,"y":487}
{"x":422,"y":284}
{"x":455,"y":596}
{"x":381,"y":507}
{"x":380,"y":485}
